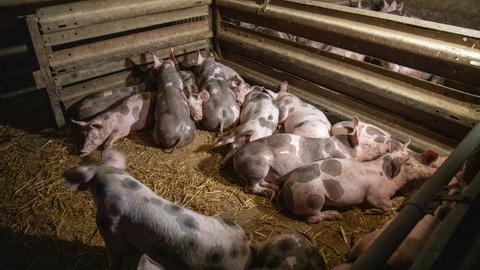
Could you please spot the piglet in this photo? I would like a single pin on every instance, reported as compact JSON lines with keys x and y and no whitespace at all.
{"x":219,"y":108}
{"x":287,"y":251}
{"x":130,"y":215}
{"x":94,"y":104}
{"x":241,"y":89}
{"x":367,"y":132}
{"x":133,"y":113}
{"x":262,"y":163}
{"x":299,"y":117}
{"x":258,"y":119}
{"x":343,"y":183}
{"x":173,"y":125}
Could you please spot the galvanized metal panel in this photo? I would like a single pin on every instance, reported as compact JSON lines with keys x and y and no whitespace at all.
{"x":398,"y":96}
{"x":455,"y":56}
{"x":341,"y":106}
{"x":84,"y":13}
{"x":84,"y":74}
{"x":108,"y":28}
{"x":122,"y":47}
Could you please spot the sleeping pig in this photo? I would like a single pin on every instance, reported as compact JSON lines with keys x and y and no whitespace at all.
{"x":299,"y":117}
{"x":261,"y":163}
{"x":96,"y":103}
{"x":130,"y":215}
{"x":173,"y":125}
{"x":219,"y":108}
{"x":133,"y":113}
{"x":287,"y":251}
{"x":258,"y":119}
{"x":343,"y":183}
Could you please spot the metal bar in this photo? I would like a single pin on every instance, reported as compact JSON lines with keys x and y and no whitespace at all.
{"x":121,"y":47}
{"x":42,"y":60}
{"x":445,"y":230}
{"x":108,"y":28}
{"x":388,"y":241}
{"x":84,"y":13}
{"x":85,"y":74}
{"x":374,"y":87}
{"x":445,"y":54}
{"x":341,"y":107}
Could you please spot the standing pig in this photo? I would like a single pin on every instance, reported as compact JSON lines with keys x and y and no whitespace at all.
{"x":343,"y":183}
{"x":133,"y":113}
{"x":258,"y":119}
{"x":287,"y":251}
{"x":261,"y":163}
{"x":301,"y":118}
{"x":173,"y":125}
{"x":129,"y":214}
{"x":219,"y":108}
{"x":99,"y":102}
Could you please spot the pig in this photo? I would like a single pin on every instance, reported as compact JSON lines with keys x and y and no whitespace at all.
{"x":345,"y":53}
{"x":96,"y":103}
{"x":219,"y":108}
{"x":299,"y":117}
{"x":287,"y":251}
{"x":344,"y":183}
{"x":189,"y":83}
{"x":368,"y":132}
{"x":133,"y":113}
{"x":261,"y":163}
{"x":173,"y":125}
{"x":242,"y":89}
{"x":258,"y":119}
{"x":146,"y":263}
{"x":130,"y":215}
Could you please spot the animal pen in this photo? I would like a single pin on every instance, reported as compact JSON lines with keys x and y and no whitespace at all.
{"x":86,"y":47}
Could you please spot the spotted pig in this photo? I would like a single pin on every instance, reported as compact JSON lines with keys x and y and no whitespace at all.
{"x":287,"y":251}
{"x":173,"y":125}
{"x":130,"y":215}
{"x":217,"y":101}
{"x":299,"y":117}
{"x":263,"y":162}
{"x":133,"y":113}
{"x":258,"y":119}
{"x":343,"y":183}
{"x":367,"y":132}
{"x":96,"y":103}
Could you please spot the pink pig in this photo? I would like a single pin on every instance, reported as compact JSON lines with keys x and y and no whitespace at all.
{"x":133,"y":113}
{"x":299,"y":117}
{"x":342,"y":183}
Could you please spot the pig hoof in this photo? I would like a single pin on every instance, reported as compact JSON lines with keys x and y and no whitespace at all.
{"x":324,"y":215}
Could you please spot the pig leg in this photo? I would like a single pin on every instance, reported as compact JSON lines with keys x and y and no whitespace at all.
{"x":115,"y":136}
{"x":324,"y":215}
{"x":381,"y":202}
{"x":256,"y":188}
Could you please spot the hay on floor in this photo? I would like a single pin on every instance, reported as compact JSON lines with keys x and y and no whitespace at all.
{"x":47,"y":226}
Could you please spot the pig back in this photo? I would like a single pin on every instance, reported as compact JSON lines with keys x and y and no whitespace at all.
{"x":94,"y":104}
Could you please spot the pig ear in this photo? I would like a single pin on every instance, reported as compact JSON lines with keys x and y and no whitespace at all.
{"x":405,"y":145}
{"x":271,"y":93}
{"x":283,"y":87}
{"x":428,"y":157}
{"x":397,"y":164}
{"x":204,"y":95}
{"x":172,"y":57}
{"x":77,"y":178}
{"x":354,"y":138}
{"x":79,"y":123}
{"x":114,"y":159}
{"x":146,"y":263}
{"x":234,"y":82}
{"x":157,"y":62}
{"x":200,"y":58}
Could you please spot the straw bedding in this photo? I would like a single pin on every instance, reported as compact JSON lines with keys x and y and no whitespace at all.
{"x":44,"y":225}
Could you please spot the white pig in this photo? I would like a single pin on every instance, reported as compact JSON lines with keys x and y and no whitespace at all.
{"x":133,"y":113}
{"x":129,"y":214}
{"x":299,"y":117}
